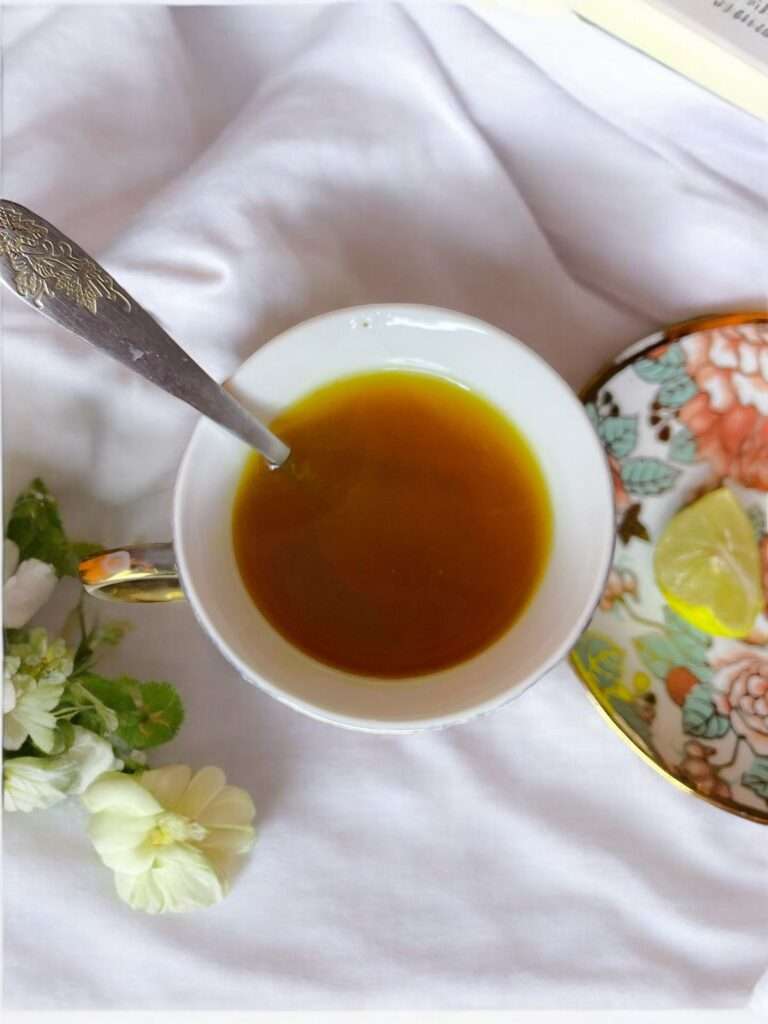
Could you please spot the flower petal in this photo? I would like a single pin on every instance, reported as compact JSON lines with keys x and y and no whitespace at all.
{"x":182,"y":878}
{"x":234,"y":840}
{"x":10,"y":558}
{"x":756,"y":738}
{"x":9,"y":693}
{"x":204,"y":786}
{"x":25,"y":593}
{"x":91,"y":755}
{"x":14,"y":733}
{"x":122,"y":843}
{"x":232,"y":806}
{"x":31,"y":713}
{"x":35,"y":783}
{"x":115,"y":791}
{"x":167,"y":784}
{"x":46,"y":695}
{"x":224,"y":846}
{"x":141,"y":892}
{"x":42,"y":732}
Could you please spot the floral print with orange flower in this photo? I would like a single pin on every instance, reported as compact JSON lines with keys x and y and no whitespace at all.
{"x":728,"y":415}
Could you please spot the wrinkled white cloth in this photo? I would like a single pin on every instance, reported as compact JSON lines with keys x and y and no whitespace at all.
{"x":242,"y":169}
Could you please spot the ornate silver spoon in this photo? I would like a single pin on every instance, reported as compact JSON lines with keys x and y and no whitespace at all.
{"x":61,"y":281}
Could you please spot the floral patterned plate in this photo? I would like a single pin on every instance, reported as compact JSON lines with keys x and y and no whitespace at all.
{"x":679,"y":414}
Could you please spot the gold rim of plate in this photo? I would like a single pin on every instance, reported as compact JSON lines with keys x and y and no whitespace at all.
{"x":674,"y":332}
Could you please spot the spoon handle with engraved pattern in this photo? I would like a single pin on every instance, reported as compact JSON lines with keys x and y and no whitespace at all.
{"x":58,"y":279}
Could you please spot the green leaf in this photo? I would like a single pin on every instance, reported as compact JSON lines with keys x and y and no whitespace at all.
{"x":598,"y":660}
{"x":645,"y":476}
{"x":35,"y":527}
{"x":658,"y":371}
{"x":676,"y":391}
{"x":682,"y":447}
{"x":113,"y":693}
{"x":756,"y":778}
{"x":136,"y":715}
{"x":657,"y":652}
{"x":619,"y":434}
{"x":103,"y":703}
{"x":700,"y":717}
{"x":158,"y":715}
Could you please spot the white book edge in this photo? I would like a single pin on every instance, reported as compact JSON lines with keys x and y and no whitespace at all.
{"x":667,"y":35}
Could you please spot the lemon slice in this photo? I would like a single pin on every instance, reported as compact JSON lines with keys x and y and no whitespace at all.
{"x":707,"y":565}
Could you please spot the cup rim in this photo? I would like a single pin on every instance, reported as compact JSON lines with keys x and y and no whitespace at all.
{"x":505,"y":695}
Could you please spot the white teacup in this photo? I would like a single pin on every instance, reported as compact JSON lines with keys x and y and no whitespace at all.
{"x":489,"y":362}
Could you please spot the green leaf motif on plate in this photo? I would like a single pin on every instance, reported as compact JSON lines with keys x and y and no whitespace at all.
{"x":591,"y":411}
{"x":677,"y":625}
{"x":657,"y":652}
{"x":665,"y":368}
{"x":700,"y":716}
{"x":756,"y":778}
{"x":669,"y":372}
{"x":691,"y":644}
{"x":677,"y":391}
{"x":598,"y":660}
{"x":600,"y":663}
{"x":619,"y":434}
{"x":645,"y":476}
{"x":682,"y":447}
{"x":679,"y":645}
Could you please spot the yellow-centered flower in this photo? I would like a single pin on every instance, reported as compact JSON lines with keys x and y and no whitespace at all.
{"x":171,"y":837}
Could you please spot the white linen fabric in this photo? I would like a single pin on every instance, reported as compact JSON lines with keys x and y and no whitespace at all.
{"x":239,"y":170}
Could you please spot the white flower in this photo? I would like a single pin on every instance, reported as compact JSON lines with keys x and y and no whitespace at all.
{"x":92,"y":756}
{"x":36,"y":671}
{"x":27,"y":586}
{"x":170,"y":837}
{"x":34,"y":783}
{"x":10,"y":668}
{"x":45,"y":662}
{"x":31,"y":710}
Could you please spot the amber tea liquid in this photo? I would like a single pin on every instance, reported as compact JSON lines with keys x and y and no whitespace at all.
{"x":407,"y":532}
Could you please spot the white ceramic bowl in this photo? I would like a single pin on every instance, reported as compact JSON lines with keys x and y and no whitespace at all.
{"x":492,"y":364}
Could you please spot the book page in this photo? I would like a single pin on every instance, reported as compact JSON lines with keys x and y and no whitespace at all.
{"x":742,"y":25}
